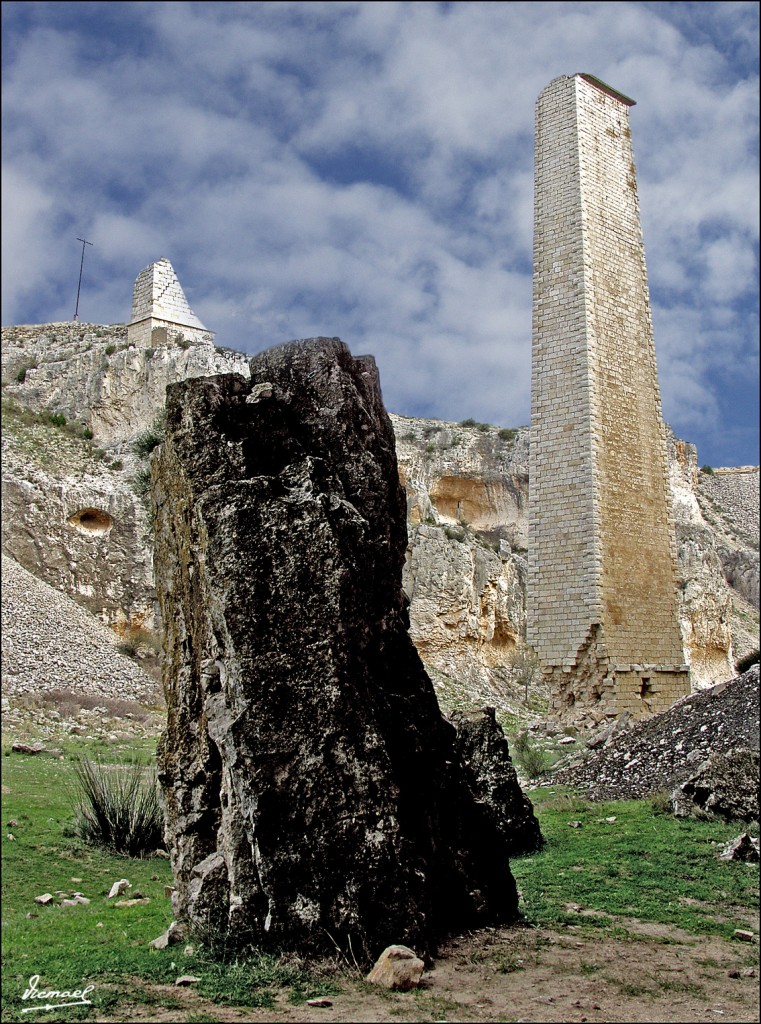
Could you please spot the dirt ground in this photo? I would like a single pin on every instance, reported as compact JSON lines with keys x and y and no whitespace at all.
{"x":651,"y":973}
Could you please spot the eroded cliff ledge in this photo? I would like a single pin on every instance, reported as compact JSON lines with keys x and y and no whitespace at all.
{"x":313,"y":791}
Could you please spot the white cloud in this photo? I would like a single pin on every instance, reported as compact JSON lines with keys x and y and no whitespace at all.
{"x":365,"y":169}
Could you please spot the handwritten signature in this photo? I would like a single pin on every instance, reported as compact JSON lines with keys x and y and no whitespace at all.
{"x":76,"y":996}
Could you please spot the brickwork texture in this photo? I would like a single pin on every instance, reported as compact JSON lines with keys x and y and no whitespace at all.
{"x":602,"y":552}
{"x":160,"y":311}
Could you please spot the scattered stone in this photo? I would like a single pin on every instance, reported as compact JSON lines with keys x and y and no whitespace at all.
{"x":187,"y":979}
{"x":13,"y":823}
{"x":319,"y":1002}
{"x":398,"y":969}
{"x":79,"y":898}
{"x":748,"y":972}
{"x":168,"y":890}
{"x":733,"y":973}
{"x":170,"y":937}
{"x":69,"y":903}
{"x":744,"y":847}
{"x":566,"y":740}
{"x":11,"y":837}
{"x":743,"y":936}
{"x":26,"y":748}
{"x":118,"y":888}
{"x":31,"y":915}
{"x":132,"y":903}
{"x":574,"y":824}
{"x":45,"y":898}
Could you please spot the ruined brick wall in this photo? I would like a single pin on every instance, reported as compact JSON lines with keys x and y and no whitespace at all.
{"x":602,"y":580}
{"x":160,"y":311}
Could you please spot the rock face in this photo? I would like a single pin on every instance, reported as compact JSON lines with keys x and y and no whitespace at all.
{"x":311,"y":785}
{"x":71,"y":515}
{"x":483,"y":749}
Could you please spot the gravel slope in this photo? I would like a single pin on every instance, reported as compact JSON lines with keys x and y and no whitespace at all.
{"x":663,"y":751}
{"x":50,"y":643}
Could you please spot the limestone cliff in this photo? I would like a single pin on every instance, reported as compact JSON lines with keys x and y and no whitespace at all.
{"x":72,"y":517}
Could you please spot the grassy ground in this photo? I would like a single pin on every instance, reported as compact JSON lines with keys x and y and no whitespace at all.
{"x":643,"y":863}
{"x":599,"y":874}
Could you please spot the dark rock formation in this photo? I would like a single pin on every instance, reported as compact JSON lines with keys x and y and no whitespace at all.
{"x":484,"y":751}
{"x":312,"y":789}
{"x":724,"y":786}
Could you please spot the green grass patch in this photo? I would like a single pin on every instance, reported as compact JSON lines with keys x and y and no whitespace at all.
{"x":643,"y":865}
{"x":100,"y":944}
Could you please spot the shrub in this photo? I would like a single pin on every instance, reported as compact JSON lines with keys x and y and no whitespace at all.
{"x":483,"y":427}
{"x":467,"y":423}
{"x":118,"y":807}
{"x":141,"y":482}
{"x":87,"y":434}
{"x":117,"y":464}
{"x":660,"y":801}
{"x":151,"y":438}
{"x":21,"y":375}
{"x":533,"y":760}
{"x":708,"y":470}
{"x":507,"y":434}
{"x":184,"y":343}
{"x":744,"y":663}
{"x":135,"y":638}
{"x":110,"y":349}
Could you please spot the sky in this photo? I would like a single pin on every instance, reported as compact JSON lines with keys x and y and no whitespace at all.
{"x":365,"y":170}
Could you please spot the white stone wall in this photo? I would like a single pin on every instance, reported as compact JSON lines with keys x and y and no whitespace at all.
{"x":601,"y":537}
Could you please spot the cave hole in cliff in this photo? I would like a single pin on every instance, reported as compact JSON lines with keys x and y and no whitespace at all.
{"x":92,"y":521}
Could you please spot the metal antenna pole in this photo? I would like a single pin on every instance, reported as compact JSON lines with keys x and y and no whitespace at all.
{"x":81,"y":264}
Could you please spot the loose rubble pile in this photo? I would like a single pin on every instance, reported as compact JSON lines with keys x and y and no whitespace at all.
{"x":50,"y":643}
{"x":662,"y":752}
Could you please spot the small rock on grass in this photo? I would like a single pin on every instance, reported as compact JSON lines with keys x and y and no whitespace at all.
{"x":187,"y":979}
{"x":118,"y":888}
{"x":398,"y":968}
{"x":132,"y":903}
{"x":319,"y":1002}
{"x":46,"y":897}
{"x":743,"y":936}
{"x":170,"y":937}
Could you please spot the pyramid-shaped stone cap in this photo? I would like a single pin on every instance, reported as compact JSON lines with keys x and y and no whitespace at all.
{"x":158,"y":295}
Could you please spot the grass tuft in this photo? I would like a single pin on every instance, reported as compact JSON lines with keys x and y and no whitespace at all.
{"x":118,"y":808}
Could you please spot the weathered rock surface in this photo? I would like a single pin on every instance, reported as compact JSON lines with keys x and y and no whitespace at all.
{"x":70,"y":514}
{"x":724,"y":786}
{"x":398,"y":969}
{"x":661,"y":752}
{"x":483,"y":749}
{"x":91,"y":373}
{"x":311,"y":785}
{"x":745,"y":847}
